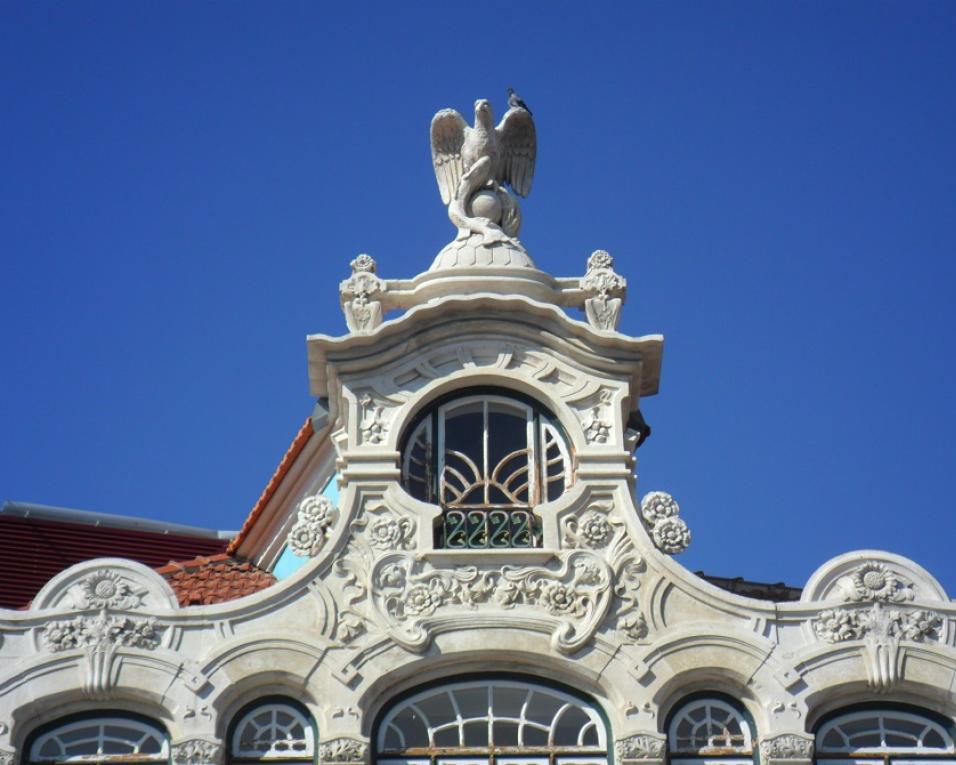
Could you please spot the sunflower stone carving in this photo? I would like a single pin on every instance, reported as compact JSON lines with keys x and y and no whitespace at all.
{"x":107,"y":589}
{"x":308,"y":535}
{"x":363,"y":312}
{"x":197,"y":751}
{"x":875,"y":581}
{"x":342,"y":750}
{"x":786,"y":747}
{"x":661,"y":517}
{"x":605,"y":290}
{"x":639,"y":747}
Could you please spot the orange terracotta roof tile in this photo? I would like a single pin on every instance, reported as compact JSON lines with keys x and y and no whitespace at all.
{"x":288,"y":459}
{"x":214,"y":579}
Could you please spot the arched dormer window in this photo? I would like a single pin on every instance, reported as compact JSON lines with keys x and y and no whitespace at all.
{"x":884,"y":735}
{"x":711,"y":729}
{"x":274,"y":730}
{"x":101,"y":738}
{"x":487,"y":459}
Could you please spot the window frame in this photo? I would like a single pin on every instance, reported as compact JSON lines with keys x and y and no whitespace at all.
{"x":232,"y":756}
{"x":93,"y":717}
{"x":884,"y":755}
{"x":489,"y":755}
{"x":543,"y":431}
{"x":706,"y":756}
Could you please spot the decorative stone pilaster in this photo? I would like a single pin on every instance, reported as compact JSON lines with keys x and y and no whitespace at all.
{"x":788,"y":748}
{"x":643,"y":748}
{"x":343,"y":750}
{"x":197,"y":751}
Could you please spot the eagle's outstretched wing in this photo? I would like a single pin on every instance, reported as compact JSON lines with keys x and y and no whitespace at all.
{"x":448,"y":136}
{"x":519,"y":146}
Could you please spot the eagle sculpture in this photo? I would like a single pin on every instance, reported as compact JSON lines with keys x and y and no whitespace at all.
{"x":457,"y":148}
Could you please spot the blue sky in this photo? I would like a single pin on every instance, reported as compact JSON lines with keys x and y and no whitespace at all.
{"x":184,"y":185}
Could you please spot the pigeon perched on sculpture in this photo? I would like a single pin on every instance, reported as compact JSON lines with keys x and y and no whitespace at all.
{"x":473,"y":166}
{"x":516,"y":102}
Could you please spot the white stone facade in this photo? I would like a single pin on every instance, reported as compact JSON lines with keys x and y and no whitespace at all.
{"x":379,"y":610}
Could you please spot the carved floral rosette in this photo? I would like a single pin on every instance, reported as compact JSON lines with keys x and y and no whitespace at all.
{"x":413,"y":599}
{"x":342,"y":750}
{"x":661,"y":512}
{"x":310,"y":532}
{"x":641,"y":746}
{"x":197,"y":751}
{"x":786,"y":747}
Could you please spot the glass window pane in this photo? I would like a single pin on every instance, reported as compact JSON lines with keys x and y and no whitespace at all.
{"x":412,"y":727}
{"x":505,"y":733}
{"x":508,"y":701}
{"x":569,"y":727}
{"x":476,"y":733}
{"x":472,"y":702}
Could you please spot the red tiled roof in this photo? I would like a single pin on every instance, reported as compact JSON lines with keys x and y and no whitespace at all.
{"x":33,"y":550}
{"x":214,"y":579}
{"x":288,"y":459}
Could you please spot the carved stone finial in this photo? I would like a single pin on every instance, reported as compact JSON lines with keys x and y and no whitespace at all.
{"x":605,"y":291}
{"x":363,"y":312}
{"x":669,"y":532}
{"x":472,"y":166}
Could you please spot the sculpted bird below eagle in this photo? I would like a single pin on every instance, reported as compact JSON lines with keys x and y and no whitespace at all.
{"x":457,"y":148}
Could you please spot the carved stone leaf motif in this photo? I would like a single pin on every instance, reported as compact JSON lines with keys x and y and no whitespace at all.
{"x":342,"y":750}
{"x":391,"y":533}
{"x":787,"y":747}
{"x":308,"y":535}
{"x":100,"y":631}
{"x":197,"y":751}
{"x":639,"y":747}
{"x":837,"y":625}
{"x":661,"y":517}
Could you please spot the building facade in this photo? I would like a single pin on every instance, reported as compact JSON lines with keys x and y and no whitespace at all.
{"x":453,"y":568}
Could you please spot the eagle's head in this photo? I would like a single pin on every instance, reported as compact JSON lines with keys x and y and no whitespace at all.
{"x":483,"y":112}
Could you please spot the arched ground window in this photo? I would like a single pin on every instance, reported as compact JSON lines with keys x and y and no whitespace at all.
{"x":491,"y":722}
{"x":710,"y":728}
{"x":885,"y":735}
{"x":272,"y":730}
{"x":100,"y":737}
{"x":487,"y":459}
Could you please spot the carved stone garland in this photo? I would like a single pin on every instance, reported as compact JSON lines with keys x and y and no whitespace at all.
{"x":100,"y":637}
{"x":661,"y":516}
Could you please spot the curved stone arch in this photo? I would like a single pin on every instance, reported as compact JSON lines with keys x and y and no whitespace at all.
{"x":127,"y":583}
{"x":230,"y":667}
{"x":736,"y":700}
{"x":266,"y":685}
{"x":30,"y":715}
{"x":825,"y":702}
{"x":734,"y":663}
{"x":588,"y":675}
